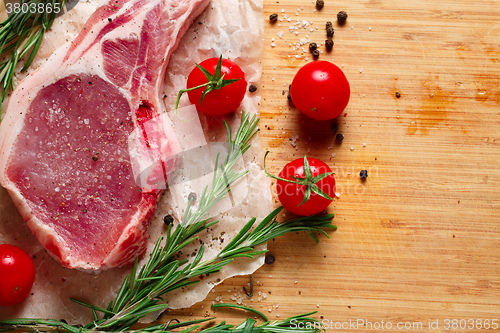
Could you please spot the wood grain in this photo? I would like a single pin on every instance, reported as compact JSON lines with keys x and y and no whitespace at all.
{"x":419,"y":240}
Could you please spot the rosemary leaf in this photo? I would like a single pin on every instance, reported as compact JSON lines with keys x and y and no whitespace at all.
{"x":236,"y":306}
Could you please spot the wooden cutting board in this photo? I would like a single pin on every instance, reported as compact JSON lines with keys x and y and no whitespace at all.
{"x":418,"y":242}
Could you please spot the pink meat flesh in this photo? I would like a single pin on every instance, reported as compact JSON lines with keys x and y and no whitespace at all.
{"x":65,"y":156}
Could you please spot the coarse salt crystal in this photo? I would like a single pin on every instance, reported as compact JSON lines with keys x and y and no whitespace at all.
{"x":352,"y":147}
{"x":364,"y":144}
{"x":280,"y":34}
{"x":273,"y":44}
{"x":333,"y":155}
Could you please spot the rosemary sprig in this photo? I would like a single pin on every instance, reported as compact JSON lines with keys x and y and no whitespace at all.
{"x":141,"y":296}
{"x":141,"y":293}
{"x":299,"y":323}
{"x":296,"y":324}
{"x":23,"y":31}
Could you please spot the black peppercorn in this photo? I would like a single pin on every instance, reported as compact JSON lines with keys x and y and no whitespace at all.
{"x":313,"y":46}
{"x":192,"y":196}
{"x":289,"y":96}
{"x":269,"y":259}
{"x":398,"y":94}
{"x":95,"y":157}
{"x":252,"y":88}
{"x":315,"y":54}
{"x":320,"y":4}
{"x":341,"y":17}
{"x":363,"y":174}
{"x":329,"y":32}
{"x":339,"y":137}
{"x":329,"y":24}
{"x":334,"y":127}
{"x":328,"y":44}
{"x":273,"y":17}
{"x":168,"y":219}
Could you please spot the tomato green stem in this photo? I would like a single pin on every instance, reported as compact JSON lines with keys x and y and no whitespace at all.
{"x":308,"y":181}
{"x":182,"y":91}
{"x":214,"y":82}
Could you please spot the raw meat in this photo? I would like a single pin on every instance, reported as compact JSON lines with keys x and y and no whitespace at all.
{"x":65,"y":158}
{"x":228,"y":27}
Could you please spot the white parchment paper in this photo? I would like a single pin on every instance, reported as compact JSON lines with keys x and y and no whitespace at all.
{"x":231,"y":28}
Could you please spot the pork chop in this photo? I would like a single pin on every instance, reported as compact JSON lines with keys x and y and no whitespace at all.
{"x":64,"y":152}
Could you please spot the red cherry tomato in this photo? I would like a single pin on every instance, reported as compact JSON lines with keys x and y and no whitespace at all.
{"x":17,"y":275}
{"x":291,"y":195}
{"x":217,"y":101}
{"x":320,"y":90}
